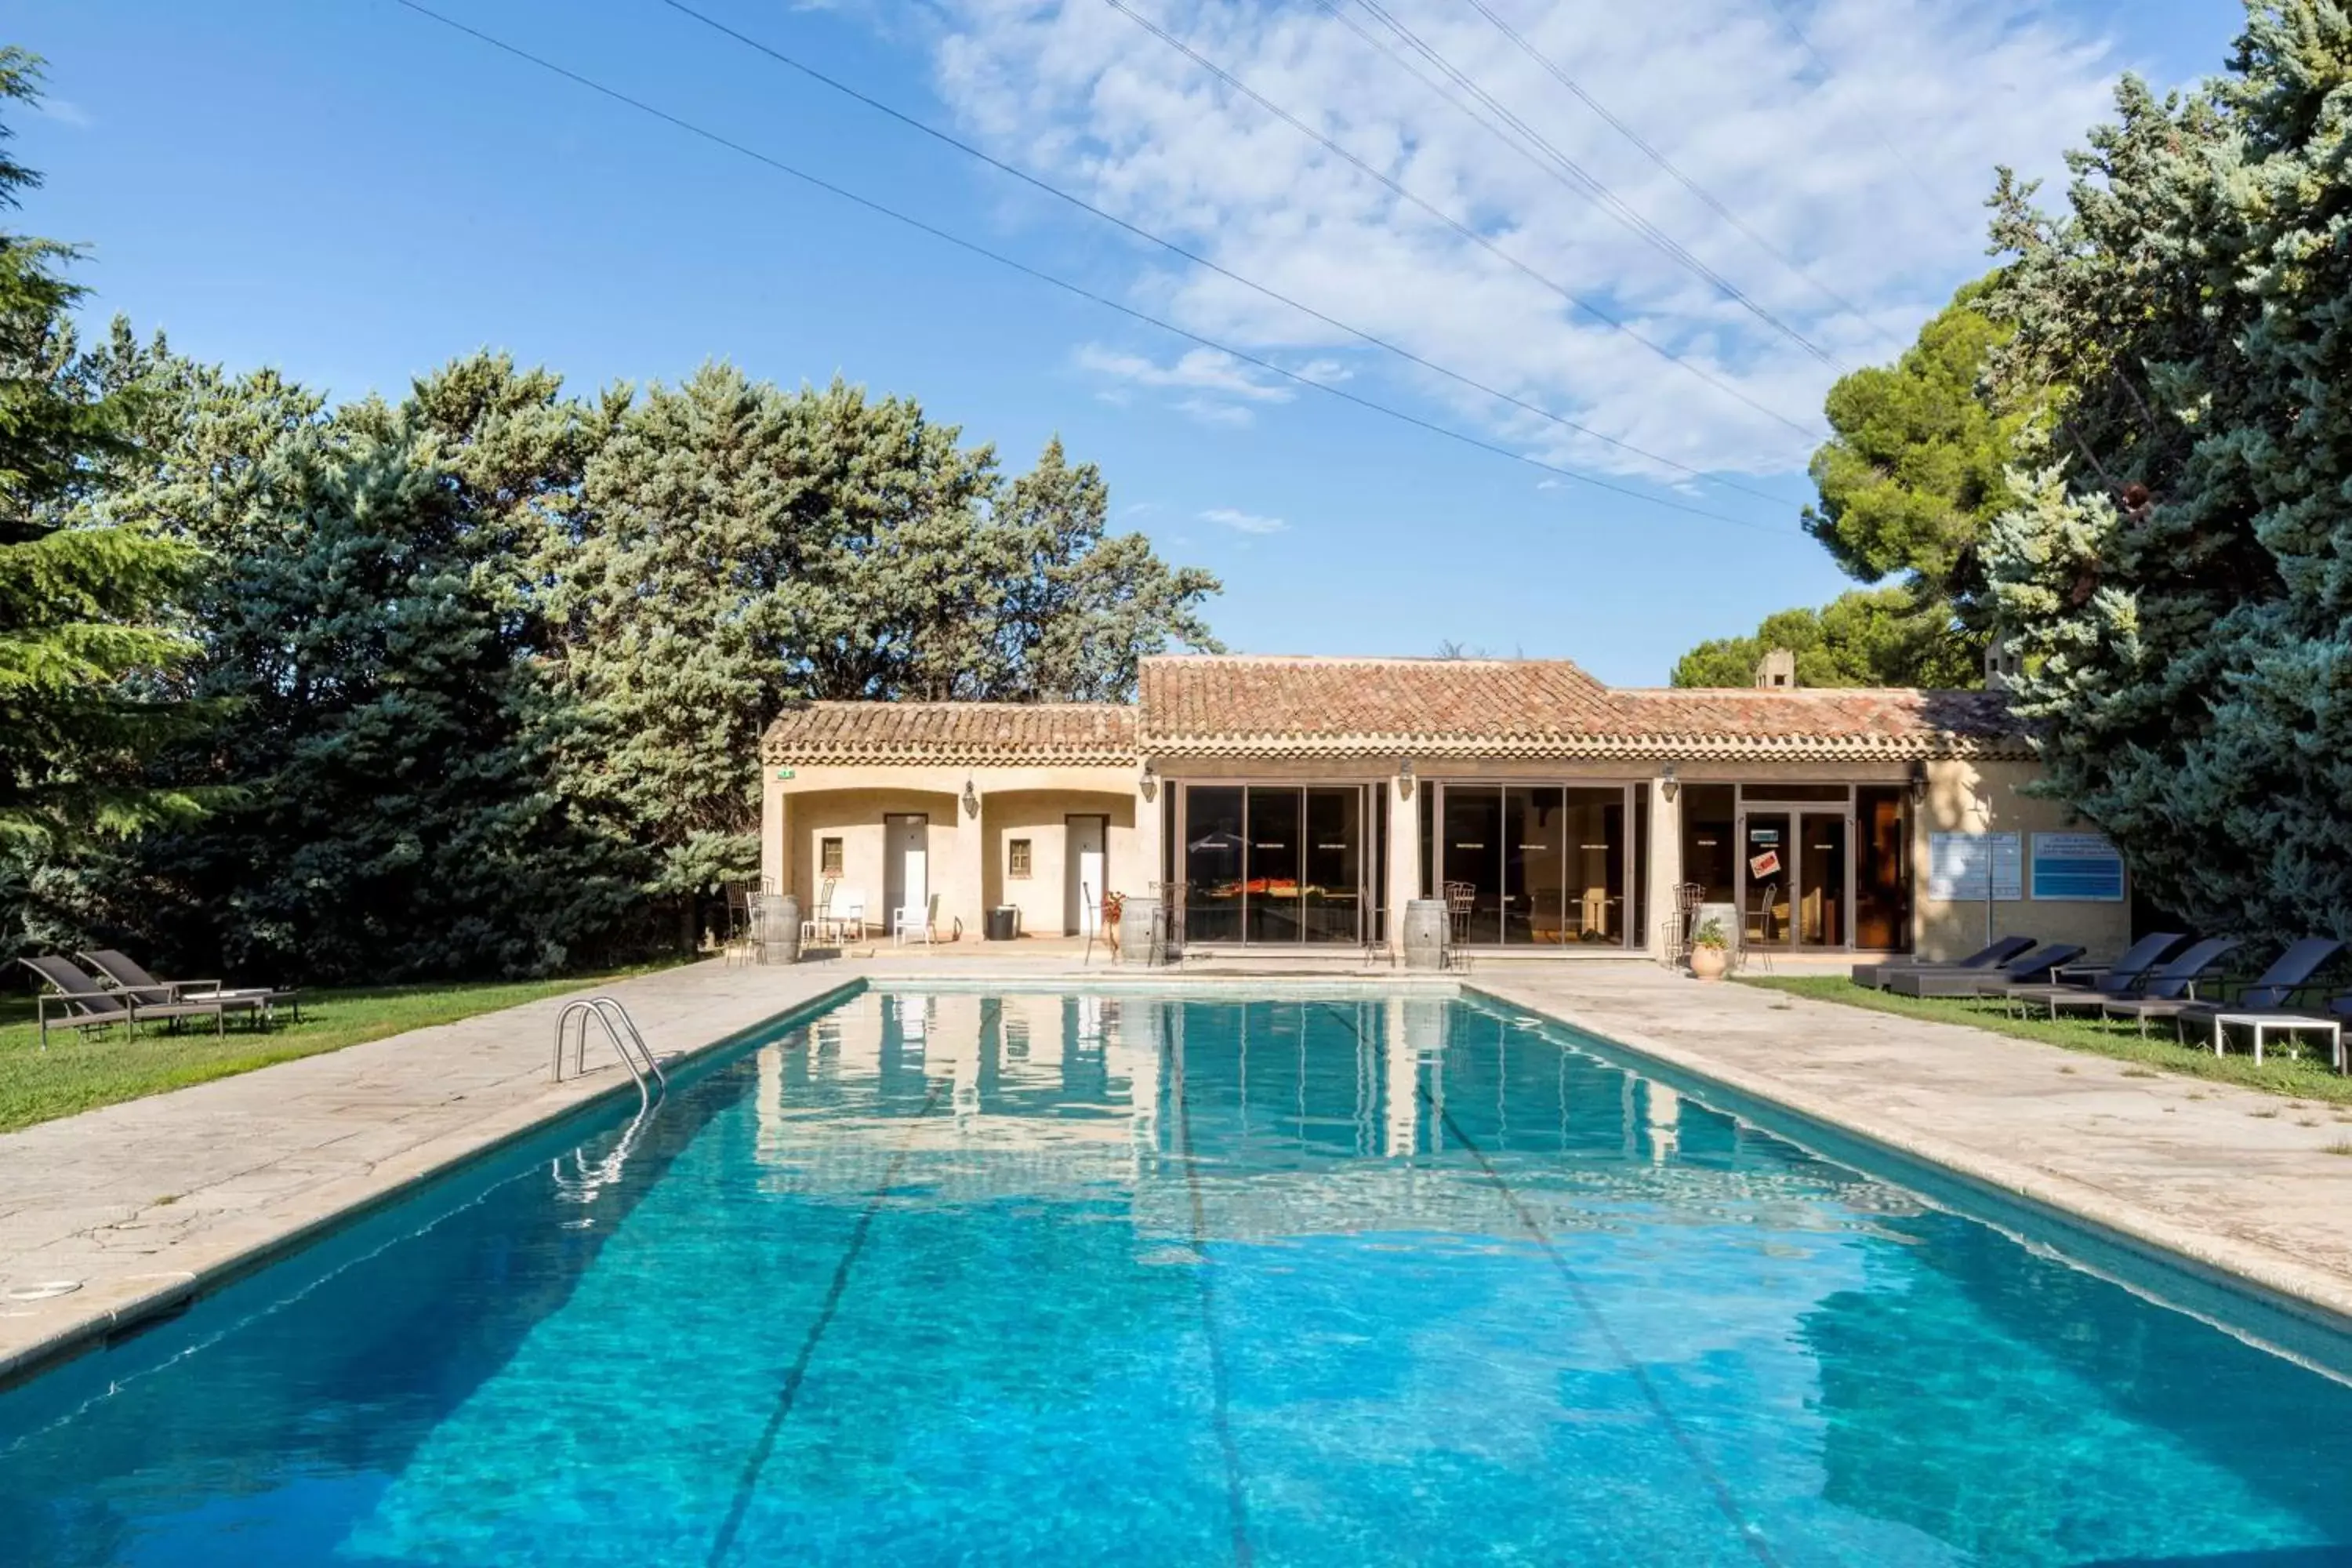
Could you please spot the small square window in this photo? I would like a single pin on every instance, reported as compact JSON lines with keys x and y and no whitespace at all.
{"x":828,"y":855}
{"x":1018,"y":857}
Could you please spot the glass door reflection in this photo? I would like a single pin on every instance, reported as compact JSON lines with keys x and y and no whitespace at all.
{"x":1470,"y":848}
{"x":1212,"y":863}
{"x":1535,"y":885}
{"x":1332,"y":900}
{"x":1764,"y":848}
{"x":1820,"y":878}
{"x":1271,"y":879}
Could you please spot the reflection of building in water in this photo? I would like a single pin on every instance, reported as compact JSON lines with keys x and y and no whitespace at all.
{"x":1304,"y":1116}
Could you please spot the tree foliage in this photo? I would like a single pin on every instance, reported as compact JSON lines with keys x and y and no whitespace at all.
{"x":2177,"y":570}
{"x":1913,"y":473}
{"x":1867,"y":637}
{"x":87,"y":643}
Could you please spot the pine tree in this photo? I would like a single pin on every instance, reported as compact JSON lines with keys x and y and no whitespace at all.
{"x":2180,"y":572}
{"x":89,"y":635}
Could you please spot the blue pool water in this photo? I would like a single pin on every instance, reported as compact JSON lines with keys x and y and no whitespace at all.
{"x":1044,"y":1279}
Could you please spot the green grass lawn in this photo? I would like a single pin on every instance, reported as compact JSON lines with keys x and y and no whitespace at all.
{"x":85,"y":1068}
{"x":2280,"y":1072}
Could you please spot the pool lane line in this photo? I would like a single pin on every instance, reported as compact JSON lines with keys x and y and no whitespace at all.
{"x":1651,"y":1394}
{"x":1221,"y":1418}
{"x":798,"y":1373}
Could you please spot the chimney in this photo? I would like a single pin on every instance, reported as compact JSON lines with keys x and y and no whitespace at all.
{"x":2000,"y":665}
{"x":1777,"y":670}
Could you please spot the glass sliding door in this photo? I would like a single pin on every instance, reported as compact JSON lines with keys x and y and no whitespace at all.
{"x":1764,"y":846}
{"x":1212,"y":863}
{"x":1332,"y":900}
{"x":1535,"y":867}
{"x":1595,"y":833}
{"x":1470,"y":851}
{"x":1271,"y":880}
{"x":1820,"y":878}
{"x":1882,"y":864}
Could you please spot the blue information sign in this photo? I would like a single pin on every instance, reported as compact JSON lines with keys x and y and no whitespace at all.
{"x":2082,"y":867}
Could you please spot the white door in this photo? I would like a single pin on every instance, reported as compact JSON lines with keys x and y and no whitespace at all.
{"x":906,"y":875}
{"x":1083,"y":863}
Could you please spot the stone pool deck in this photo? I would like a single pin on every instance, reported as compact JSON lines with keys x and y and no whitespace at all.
{"x":143,"y":1204}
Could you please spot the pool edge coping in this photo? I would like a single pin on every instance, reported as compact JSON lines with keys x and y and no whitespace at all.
{"x":416,"y":1167}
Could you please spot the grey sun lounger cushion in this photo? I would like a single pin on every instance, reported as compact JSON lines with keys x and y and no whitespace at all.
{"x":133,"y":980}
{"x":2034,"y":966}
{"x":2121,"y":978}
{"x":2275,"y":987}
{"x":89,"y":1004}
{"x":1999,"y":953}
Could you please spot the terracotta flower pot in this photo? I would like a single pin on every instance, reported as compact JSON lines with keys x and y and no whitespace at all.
{"x":1709,"y":962}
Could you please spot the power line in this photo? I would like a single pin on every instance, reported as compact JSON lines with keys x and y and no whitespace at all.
{"x":1173,"y":248}
{"x":1707,"y":197}
{"x":1456,"y":225}
{"x":1575,"y":177}
{"x":1078,"y":290}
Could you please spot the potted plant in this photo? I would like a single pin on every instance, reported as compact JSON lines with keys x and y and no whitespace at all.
{"x":1710,"y":952}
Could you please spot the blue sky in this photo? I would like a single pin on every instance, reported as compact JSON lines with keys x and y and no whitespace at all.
{"x":349,"y":192}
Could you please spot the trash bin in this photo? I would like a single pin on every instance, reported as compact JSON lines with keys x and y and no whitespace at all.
{"x":1004,"y":924}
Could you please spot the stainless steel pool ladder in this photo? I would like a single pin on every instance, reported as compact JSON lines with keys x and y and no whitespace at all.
{"x":628,"y":1044}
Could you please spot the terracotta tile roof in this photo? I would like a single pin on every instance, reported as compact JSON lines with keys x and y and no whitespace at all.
{"x":1075,"y":733}
{"x":1256,"y":706}
{"x":1226,"y":705}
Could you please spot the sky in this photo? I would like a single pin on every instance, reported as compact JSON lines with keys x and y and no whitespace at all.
{"x":1614,"y":254}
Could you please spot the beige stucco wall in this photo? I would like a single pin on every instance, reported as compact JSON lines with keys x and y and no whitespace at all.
{"x":1979,"y":797}
{"x":966,"y":853}
{"x":1041,"y":816}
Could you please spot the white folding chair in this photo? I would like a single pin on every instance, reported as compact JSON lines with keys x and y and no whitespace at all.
{"x":916,"y":922}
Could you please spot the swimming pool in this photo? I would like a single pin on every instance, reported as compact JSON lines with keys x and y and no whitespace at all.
{"x":945,"y":1276}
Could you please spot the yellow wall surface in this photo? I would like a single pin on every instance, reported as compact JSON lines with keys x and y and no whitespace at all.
{"x":1979,"y":797}
{"x":1042,"y":817}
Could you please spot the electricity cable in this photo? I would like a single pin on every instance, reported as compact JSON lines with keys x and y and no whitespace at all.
{"x":1078,"y":291}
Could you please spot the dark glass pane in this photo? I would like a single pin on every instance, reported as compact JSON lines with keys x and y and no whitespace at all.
{"x":1882,"y":870}
{"x":1639,"y":934}
{"x":1330,"y":903}
{"x":1767,"y":849}
{"x":1596,"y":864}
{"x":1379,"y":912}
{"x":1535,"y":869}
{"x":1274,"y":865}
{"x":1710,"y":848}
{"x":1470,"y":848}
{"x":1820,"y":879}
{"x":1780,"y":792}
{"x":1212,"y":863}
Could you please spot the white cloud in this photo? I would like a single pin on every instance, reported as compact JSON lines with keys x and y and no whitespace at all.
{"x":1868,"y":176}
{"x":64,"y":112}
{"x":1242,"y":522}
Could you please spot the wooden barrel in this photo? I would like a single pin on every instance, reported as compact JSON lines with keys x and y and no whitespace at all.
{"x":1139,"y":930}
{"x":1423,"y":933}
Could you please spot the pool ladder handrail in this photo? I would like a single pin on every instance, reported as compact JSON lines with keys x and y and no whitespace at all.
{"x":621,"y":1030}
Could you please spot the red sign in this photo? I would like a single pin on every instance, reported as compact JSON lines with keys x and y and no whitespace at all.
{"x":1765,"y":865}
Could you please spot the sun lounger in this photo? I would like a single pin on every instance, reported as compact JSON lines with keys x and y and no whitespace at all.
{"x":2034,"y":966}
{"x":2288,"y":973}
{"x":1876,"y":975}
{"x":2075,"y":985}
{"x":2173,"y":985}
{"x":81,"y":1002}
{"x":128,"y":977}
{"x":2264,"y":1006}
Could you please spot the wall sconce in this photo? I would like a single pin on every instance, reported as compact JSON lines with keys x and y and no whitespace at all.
{"x":1404,"y":777}
{"x":1918,"y":783}
{"x":1149,"y":782}
{"x":971,"y":799}
{"x":1668,"y":786}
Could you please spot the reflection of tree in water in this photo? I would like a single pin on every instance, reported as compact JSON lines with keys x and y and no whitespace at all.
{"x":2021,"y":1409}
